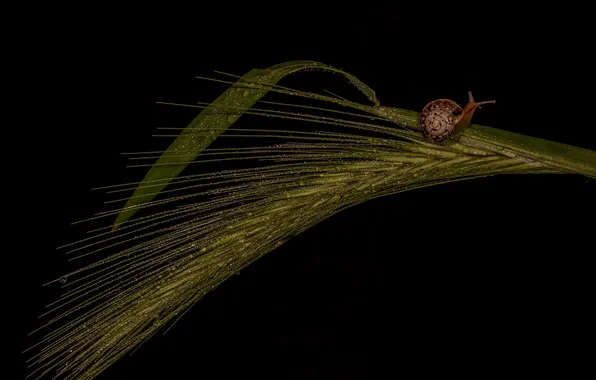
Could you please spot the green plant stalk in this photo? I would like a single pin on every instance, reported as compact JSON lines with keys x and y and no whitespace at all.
{"x":553,"y":154}
{"x":250,"y":88}
{"x":180,"y":254}
{"x":564,"y":157}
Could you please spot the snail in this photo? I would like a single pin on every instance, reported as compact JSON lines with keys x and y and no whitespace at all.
{"x":442,"y":118}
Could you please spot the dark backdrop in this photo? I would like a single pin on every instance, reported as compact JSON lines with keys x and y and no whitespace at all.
{"x":364,"y":293}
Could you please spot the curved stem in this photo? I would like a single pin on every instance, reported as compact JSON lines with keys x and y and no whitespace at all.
{"x":567,"y":158}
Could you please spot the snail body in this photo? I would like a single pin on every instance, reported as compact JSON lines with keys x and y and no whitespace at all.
{"x":442,"y":118}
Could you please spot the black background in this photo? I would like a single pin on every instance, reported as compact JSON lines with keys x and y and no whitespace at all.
{"x":366,"y":294}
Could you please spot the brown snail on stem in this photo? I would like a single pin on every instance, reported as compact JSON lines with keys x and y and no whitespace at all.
{"x":442,"y":118}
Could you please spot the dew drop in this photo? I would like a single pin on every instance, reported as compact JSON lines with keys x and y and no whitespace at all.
{"x":63,"y":280}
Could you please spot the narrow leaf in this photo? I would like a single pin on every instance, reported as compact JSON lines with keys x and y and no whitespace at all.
{"x":212,"y":122}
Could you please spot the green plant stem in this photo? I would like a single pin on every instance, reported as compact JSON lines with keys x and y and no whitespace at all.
{"x":563,"y":157}
{"x":250,"y":88}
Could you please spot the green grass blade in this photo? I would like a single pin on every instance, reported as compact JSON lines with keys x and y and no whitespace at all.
{"x":153,"y":269}
{"x":563,"y":157}
{"x":209,"y":124}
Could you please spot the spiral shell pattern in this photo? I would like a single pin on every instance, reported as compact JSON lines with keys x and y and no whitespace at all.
{"x":438,"y":118}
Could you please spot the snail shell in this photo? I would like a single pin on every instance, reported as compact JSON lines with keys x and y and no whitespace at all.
{"x":438,"y":119}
